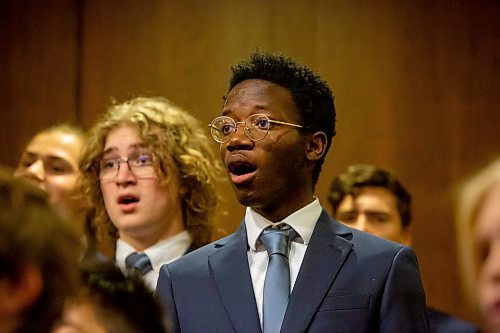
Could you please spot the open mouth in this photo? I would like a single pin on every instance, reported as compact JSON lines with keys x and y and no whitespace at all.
{"x":241,"y":168}
{"x":127,"y":199}
{"x":241,"y":172}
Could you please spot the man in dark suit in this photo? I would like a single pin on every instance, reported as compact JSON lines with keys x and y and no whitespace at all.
{"x":373,"y":200}
{"x":277,"y":123}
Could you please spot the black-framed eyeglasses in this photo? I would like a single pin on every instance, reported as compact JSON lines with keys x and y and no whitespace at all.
{"x":141,"y":165}
{"x":256,"y":127}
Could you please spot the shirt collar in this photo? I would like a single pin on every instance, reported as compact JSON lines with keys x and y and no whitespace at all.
{"x":164,"y":251}
{"x":303,"y":221}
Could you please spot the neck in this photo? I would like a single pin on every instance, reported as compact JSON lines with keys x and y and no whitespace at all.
{"x":143,"y":240}
{"x":281,"y":211}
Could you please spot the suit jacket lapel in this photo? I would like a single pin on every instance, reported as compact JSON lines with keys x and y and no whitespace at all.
{"x":326,"y":252}
{"x":229,"y":266}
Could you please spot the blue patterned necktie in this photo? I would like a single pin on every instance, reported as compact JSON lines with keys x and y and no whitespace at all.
{"x":277,"y":282}
{"x":138,"y":263}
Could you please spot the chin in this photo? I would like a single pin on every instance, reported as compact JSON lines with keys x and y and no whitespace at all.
{"x":245,"y":197}
{"x":128,"y":225}
{"x":244,"y":200}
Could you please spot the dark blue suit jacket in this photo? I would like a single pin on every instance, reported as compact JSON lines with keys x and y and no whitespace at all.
{"x":349,"y":281}
{"x":440,"y":322}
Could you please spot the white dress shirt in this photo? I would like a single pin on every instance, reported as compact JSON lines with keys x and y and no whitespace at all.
{"x":303,"y":221}
{"x":163,"y":252}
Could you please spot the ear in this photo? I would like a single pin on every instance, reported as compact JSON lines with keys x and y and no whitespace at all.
{"x":316,"y":146}
{"x":19,"y":294}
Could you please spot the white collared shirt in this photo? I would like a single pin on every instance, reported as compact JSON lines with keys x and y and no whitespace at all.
{"x":163,"y":252}
{"x":303,"y":221}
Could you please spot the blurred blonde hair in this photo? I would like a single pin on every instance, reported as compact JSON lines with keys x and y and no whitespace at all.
{"x":471,"y":197}
{"x":177,"y":141}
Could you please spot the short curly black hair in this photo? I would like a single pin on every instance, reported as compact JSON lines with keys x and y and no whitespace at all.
{"x":357,"y":176}
{"x":312,"y":95}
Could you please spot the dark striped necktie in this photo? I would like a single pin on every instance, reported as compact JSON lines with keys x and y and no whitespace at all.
{"x":138,"y":263}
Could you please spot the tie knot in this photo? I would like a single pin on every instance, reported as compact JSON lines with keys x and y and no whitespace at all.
{"x":138,"y":263}
{"x":277,"y":240}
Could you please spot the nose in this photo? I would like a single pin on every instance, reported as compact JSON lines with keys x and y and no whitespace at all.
{"x":239,"y":139}
{"x":124,"y":175}
{"x":361,"y":223}
{"x":35,"y":171}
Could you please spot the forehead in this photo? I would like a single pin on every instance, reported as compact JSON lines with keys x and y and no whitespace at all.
{"x":122,"y":136}
{"x":251,"y":96}
{"x":56,"y":143}
{"x":372,"y":198}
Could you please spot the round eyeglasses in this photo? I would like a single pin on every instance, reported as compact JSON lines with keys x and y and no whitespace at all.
{"x":256,"y":127}
{"x":141,"y":165}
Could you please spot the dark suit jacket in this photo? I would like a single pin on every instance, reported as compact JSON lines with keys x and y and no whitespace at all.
{"x":349,"y":281}
{"x":440,"y":322}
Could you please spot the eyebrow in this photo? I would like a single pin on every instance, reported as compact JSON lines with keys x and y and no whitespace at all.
{"x":54,"y":158}
{"x":109,"y":150}
{"x":347,"y":211}
{"x":225,"y":112}
{"x":377,"y":213}
{"x":62,"y":162}
{"x":29,"y":154}
{"x":49,"y":157}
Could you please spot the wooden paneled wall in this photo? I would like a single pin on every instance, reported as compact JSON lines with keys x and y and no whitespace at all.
{"x":416,"y":84}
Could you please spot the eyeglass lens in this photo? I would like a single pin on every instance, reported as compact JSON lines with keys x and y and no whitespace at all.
{"x":141,"y":165}
{"x":256,"y":127}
